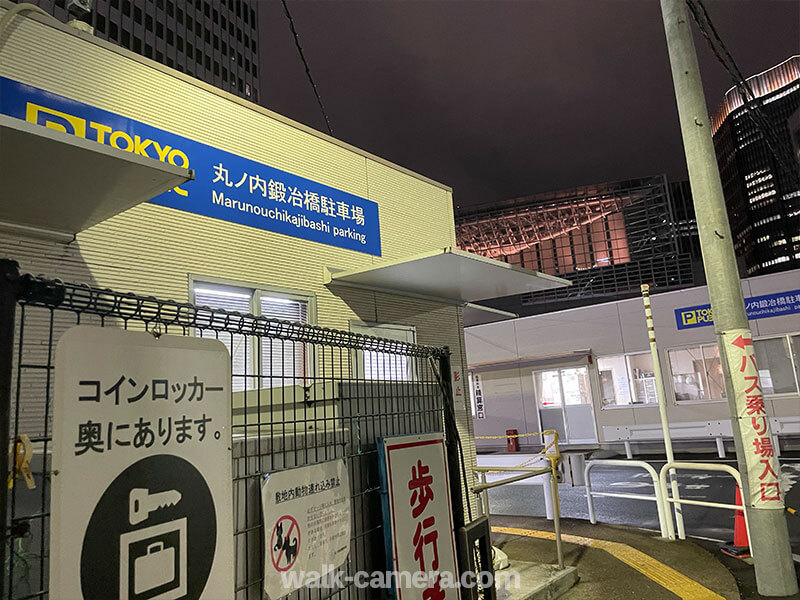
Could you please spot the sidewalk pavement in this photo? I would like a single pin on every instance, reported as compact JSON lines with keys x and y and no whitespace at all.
{"x":618,"y":562}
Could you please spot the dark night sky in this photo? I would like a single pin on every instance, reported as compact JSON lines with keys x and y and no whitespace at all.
{"x":500,"y":99}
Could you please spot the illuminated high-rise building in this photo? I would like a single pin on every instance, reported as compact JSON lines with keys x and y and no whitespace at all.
{"x":760,"y":173}
{"x":215,"y":41}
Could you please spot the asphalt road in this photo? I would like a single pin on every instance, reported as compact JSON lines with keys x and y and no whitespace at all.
{"x":522,"y":499}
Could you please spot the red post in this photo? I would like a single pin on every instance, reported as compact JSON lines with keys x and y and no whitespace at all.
{"x":512,"y":441}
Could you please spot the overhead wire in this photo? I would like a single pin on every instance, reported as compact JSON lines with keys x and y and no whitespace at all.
{"x":305,"y":64}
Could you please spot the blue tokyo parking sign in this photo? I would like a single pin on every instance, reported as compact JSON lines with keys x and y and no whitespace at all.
{"x":226,"y":186}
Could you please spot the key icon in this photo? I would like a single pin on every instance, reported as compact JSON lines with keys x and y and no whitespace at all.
{"x":141,"y":503}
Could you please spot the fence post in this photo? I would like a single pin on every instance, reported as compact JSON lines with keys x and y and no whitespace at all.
{"x":452,"y":442}
{"x":9,"y":290}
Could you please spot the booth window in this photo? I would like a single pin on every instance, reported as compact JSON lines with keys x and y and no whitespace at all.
{"x":627,"y":379}
{"x":384,"y":366}
{"x":778,"y":364}
{"x":615,"y":386}
{"x":259,"y":362}
{"x":697,"y":374}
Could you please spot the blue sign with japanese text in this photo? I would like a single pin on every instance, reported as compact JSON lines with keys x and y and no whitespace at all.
{"x":757,"y":307}
{"x":226,"y":186}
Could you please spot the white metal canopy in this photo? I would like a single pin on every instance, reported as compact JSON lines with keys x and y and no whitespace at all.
{"x":57,"y":183}
{"x":447,"y":275}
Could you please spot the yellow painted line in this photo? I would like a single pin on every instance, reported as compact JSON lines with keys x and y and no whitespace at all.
{"x":663,"y":575}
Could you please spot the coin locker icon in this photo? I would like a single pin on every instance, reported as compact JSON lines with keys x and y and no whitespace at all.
{"x":153,"y":569}
{"x":153,"y":562}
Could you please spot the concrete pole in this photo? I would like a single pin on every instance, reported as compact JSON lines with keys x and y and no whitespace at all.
{"x":662,"y":408}
{"x":769,"y":544}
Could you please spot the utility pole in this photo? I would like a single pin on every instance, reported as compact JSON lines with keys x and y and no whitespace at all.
{"x":769,"y":542}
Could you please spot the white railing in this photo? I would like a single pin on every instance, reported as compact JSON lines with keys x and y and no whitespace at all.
{"x":700,"y":467}
{"x":664,"y":516}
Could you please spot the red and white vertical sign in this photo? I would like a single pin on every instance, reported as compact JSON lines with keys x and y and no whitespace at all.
{"x":457,"y":382}
{"x":422,"y":540}
{"x":763,"y":471}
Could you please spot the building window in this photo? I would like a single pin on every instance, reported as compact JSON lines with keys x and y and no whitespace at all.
{"x":643,"y":380}
{"x":113,"y":31}
{"x":615,"y":388}
{"x":697,"y":373}
{"x":258,"y":363}
{"x":777,"y":360}
{"x":384,"y":366}
{"x":100,"y":23}
{"x":627,"y":380}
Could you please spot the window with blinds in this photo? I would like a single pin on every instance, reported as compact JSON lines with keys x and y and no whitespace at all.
{"x":283,"y":362}
{"x":383,"y":365}
{"x":257,"y":362}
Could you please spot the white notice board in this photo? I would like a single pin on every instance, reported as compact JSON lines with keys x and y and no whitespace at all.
{"x":306,"y":525}
{"x":141,"y":499}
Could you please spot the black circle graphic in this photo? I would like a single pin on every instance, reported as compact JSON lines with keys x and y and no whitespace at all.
{"x":161,"y":548}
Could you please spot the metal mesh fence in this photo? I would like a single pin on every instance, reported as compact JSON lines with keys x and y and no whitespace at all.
{"x":320,"y":403}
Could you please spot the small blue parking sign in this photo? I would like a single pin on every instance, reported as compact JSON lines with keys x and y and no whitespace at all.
{"x":757,"y":307}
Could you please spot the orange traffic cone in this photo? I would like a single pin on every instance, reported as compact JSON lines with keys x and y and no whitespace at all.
{"x":740,"y":548}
